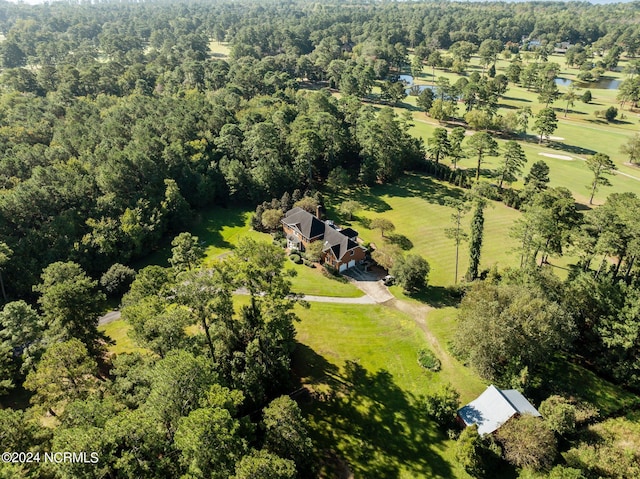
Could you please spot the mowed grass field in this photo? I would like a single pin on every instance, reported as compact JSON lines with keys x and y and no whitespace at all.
{"x":415,"y":205}
{"x":361,"y":361}
{"x":578,"y":135}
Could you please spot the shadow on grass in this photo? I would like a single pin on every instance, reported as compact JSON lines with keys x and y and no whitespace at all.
{"x":558,"y":145}
{"x":572,"y":112}
{"x":368,"y":420}
{"x":401,"y":240}
{"x":583,"y":207}
{"x":414,"y":185}
{"x":523,"y":100}
{"x":437,"y":296}
{"x":573,"y":149}
{"x":408,"y":106}
{"x":370,"y":201}
{"x":209,"y":225}
{"x":564,"y":376}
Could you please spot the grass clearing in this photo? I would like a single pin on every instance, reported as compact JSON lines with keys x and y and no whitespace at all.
{"x":118,"y":331}
{"x":219,"y":49}
{"x":415,"y":204}
{"x":362,"y":362}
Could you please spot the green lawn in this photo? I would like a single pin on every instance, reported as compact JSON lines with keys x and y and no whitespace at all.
{"x":363,"y":361}
{"x":118,"y":332}
{"x":219,"y":49}
{"x":581,"y":132}
{"x":415,"y":204}
{"x":313,"y":281}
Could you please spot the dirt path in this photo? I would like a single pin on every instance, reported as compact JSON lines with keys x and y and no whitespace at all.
{"x":419,"y":314}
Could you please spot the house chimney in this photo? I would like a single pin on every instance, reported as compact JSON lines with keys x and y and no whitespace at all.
{"x":320,"y":212}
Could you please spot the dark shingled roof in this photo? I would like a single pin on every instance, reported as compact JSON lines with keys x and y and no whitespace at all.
{"x":305,"y":222}
{"x":349,"y":233}
{"x":337,"y":242}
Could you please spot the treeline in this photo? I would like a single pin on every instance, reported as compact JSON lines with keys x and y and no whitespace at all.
{"x":102,"y":180}
{"x":117,"y":124}
{"x":522,"y":320}
{"x":206,"y":394}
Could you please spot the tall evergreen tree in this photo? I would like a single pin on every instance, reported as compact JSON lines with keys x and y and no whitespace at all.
{"x":456,"y":233}
{"x":475,"y":241}
{"x":512,"y":162}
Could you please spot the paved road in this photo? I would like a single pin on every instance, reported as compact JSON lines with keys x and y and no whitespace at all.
{"x":369,"y":283}
{"x":109,"y":317}
{"x":332,"y":299}
{"x":366,"y":299}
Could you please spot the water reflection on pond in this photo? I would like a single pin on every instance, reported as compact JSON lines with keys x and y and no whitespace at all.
{"x":602,"y":84}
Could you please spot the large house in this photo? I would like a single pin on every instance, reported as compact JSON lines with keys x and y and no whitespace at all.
{"x":493,"y":408}
{"x":340,"y":246}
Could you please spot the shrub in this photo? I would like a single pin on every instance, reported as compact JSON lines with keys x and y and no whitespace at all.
{"x":331,"y":270}
{"x":117,"y":279}
{"x":559,"y":414}
{"x":528,"y":443}
{"x":442,"y":406}
{"x":295,"y":258}
{"x":428,"y":360}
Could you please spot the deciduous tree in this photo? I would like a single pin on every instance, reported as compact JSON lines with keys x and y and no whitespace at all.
{"x":632,"y":149}
{"x":411,"y":272}
{"x":528,"y":443}
{"x":515,"y":330}
{"x":382,"y":224}
{"x":349,"y":208}
{"x":545,"y":123}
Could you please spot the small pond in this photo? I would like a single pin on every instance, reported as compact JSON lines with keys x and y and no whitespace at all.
{"x":602,"y":84}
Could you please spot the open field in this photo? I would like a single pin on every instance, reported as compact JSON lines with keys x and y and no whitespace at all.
{"x":415,"y":204}
{"x":363,"y":361}
{"x":219,"y":49}
{"x":579,"y":134}
{"x":118,"y":332}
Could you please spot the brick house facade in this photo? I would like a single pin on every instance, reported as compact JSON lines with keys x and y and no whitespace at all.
{"x":340,"y":246}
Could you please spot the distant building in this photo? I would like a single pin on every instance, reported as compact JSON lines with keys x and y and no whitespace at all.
{"x":340,"y":247}
{"x":562,"y":47}
{"x":493,"y":408}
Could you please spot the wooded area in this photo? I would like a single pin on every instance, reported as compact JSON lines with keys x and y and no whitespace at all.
{"x":121,"y":123}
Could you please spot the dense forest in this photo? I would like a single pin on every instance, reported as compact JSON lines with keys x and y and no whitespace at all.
{"x":119,"y":124}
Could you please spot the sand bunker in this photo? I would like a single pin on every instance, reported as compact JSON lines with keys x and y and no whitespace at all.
{"x":555,"y":138}
{"x":557,"y":157}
